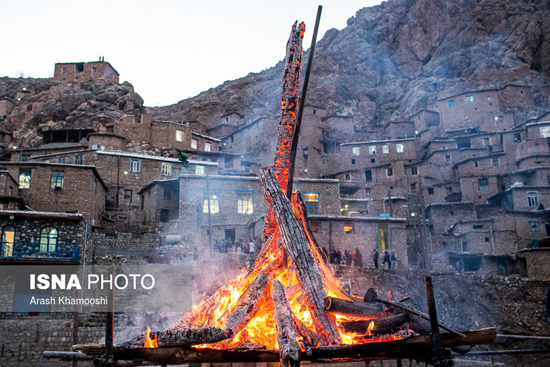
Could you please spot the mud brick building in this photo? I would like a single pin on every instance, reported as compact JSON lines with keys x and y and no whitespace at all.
{"x":81,"y":71}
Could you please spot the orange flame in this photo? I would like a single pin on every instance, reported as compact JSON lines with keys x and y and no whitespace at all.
{"x":370,"y":328}
{"x":150,"y":343}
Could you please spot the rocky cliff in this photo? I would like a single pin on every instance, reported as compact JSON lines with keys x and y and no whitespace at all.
{"x":399,"y":57}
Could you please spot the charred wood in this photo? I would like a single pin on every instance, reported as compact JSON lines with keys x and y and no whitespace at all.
{"x":350,"y":308}
{"x":289,"y":350}
{"x":297,"y":247}
{"x":385,"y":325}
{"x":181,"y":338}
{"x":308,"y":335}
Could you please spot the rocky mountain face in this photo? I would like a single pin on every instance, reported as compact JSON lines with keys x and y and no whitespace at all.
{"x":399,"y":57}
{"x":47,"y":104}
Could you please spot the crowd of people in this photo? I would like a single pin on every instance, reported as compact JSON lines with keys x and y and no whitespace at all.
{"x":355,"y":258}
{"x":239,"y":246}
{"x":389,"y":261}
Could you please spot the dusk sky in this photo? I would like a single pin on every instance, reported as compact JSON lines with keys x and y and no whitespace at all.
{"x":169,"y":50}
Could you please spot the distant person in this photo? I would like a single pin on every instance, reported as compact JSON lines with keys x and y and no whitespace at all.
{"x":251,"y":247}
{"x":387,"y":259}
{"x":358,"y":258}
{"x":338,"y":257}
{"x":375,"y":257}
{"x":195,"y":254}
{"x":348,"y":257}
{"x":393,"y":260}
{"x":458,"y":266}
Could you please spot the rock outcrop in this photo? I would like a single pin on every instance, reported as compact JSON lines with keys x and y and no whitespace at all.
{"x":399,"y":57}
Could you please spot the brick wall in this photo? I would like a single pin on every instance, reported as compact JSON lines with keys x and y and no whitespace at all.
{"x":97,"y":70}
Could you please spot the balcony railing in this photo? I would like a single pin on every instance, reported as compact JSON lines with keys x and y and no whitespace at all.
{"x":36,"y":251}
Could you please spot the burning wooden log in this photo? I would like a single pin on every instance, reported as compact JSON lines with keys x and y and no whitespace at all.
{"x":180,"y":338}
{"x":386,"y":325}
{"x":297,"y":247}
{"x":350,"y":308}
{"x":308,"y":335}
{"x":289,"y":350}
{"x":250,"y":300}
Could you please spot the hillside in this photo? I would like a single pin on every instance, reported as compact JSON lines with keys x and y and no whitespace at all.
{"x":399,"y":57}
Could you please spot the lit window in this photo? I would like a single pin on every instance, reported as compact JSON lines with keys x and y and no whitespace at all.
{"x":399,"y":148}
{"x":348,"y":227}
{"x":56,"y":179}
{"x":207,"y":147}
{"x":135,"y":165}
{"x":372,"y":149}
{"x":199,"y":170}
{"x":311,"y":201}
{"x":545,"y":132}
{"x":25,"y":178}
{"x":447,"y":158}
{"x":194,"y":143}
{"x":48,"y":239}
{"x":414,"y":170}
{"x":533,"y":224}
{"x":533,"y":200}
{"x":483,"y":184}
{"x":166,"y":169}
{"x":8,"y":235}
{"x":214,"y":204}
{"x":451,"y":103}
{"x":385,"y":149}
{"x":245,"y":202}
{"x":470,"y":99}
{"x":390,"y":171}
{"x":486,"y":141}
{"x":179,"y":135}
{"x":78,"y":160}
{"x":355,"y":150}
{"x":496,"y":162}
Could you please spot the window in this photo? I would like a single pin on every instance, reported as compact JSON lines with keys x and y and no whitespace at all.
{"x":352,"y":160}
{"x":166,"y":169}
{"x":94,"y":69}
{"x":496,"y":162}
{"x":414,"y":170}
{"x":311,"y":201}
{"x":199,"y":170}
{"x":25,"y":157}
{"x":399,"y":148}
{"x":470,"y":99}
{"x":545,"y":132}
{"x":517,"y":138}
{"x":430,"y":190}
{"x":25,"y":178}
{"x":447,"y":158}
{"x":533,"y":199}
{"x":228,"y":162}
{"x":533,"y":224}
{"x":63,"y":70}
{"x":483,"y":184}
{"x":95,"y":185}
{"x":194,"y":143}
{"x":347,"y":177}
{"x":390,"y":171}
{"x":179,"y":135}
{"x":207,"y":147}
{"x":315,"y":225}
{"x":413,"y":186}
{"x":8,"y":235}
{"x":214,"y":204}
{"x":367,"y":193}
{"x":78,"y":160}
{"x":385,"y":149}
{"x":486,"y":141}
{"x":245,"y":202}
{"x":449,"y":190}
{"x":56,"y":179}
{"x":48,"y":239}
{"x":61,"y":160}
{"x":164,"y":215}
{"x":451,"y":103}
{"x":348,"y":227}
{"x":372,"y":149}
{"x":368,"y":175}
{"x":355,"y":150}
{"x":373,"y":160}
{"x":128,"y":196}
{"x":135,"y":165}
{"x":29,"y":107}
{"x":476,"y":164}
